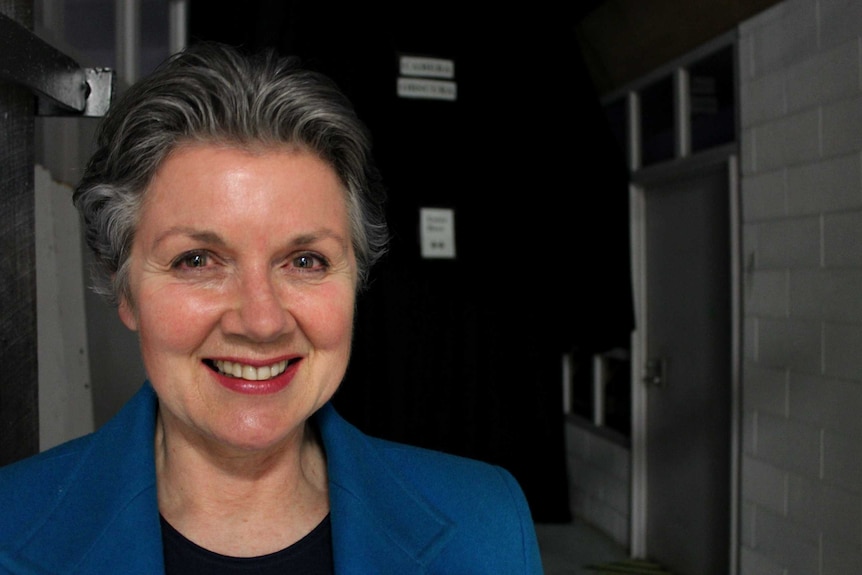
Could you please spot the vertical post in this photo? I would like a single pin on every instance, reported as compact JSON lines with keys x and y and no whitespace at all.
{"x":19,"y":398}
{"x":633,"y":131}
{"x":599,"y":377}
{"x":682,"y":110}
{"x":178,"y":25}
{"x":567,"y":382}
{"x":128,"y":39}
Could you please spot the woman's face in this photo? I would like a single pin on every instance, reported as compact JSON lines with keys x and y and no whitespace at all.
{"x":242,"y":292}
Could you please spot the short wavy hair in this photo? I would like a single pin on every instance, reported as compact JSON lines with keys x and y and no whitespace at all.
{"x":215,"y":93}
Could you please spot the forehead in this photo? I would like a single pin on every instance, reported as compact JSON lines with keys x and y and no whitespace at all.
{"x":205,"y":161}
{"x":204,"y":181}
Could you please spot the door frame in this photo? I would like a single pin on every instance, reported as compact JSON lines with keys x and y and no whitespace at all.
{"x":641,"y":182}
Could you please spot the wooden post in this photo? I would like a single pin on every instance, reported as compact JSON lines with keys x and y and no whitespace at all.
{"x":19,"y":398}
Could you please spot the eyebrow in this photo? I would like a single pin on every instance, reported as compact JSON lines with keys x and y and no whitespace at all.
{"x":204,"y":236}
{"x":318,"y":235}
{"x":323,"y":234}
{"x":210,"y":237}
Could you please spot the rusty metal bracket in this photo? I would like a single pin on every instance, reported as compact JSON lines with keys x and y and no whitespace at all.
{"x":63,"y":88}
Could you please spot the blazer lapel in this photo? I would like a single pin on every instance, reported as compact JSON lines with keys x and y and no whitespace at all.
{"x":111,"y":496}
{"x":377,"y":519}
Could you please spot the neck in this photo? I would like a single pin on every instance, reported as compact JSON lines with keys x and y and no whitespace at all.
{"x":240,"y":503}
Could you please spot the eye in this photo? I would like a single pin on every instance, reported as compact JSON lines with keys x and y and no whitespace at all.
{"x":304,"y":262}
{"x":191,"y":260}
{"x":309,"y":262}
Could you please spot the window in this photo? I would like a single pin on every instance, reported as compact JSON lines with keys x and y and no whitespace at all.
{"x":657,"y":122}
{"x":599,"y":388}
{"x":712,"y":100}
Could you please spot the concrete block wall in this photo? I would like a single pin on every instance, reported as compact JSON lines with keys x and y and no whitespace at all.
{"x":801,"y":185}
{"x":599,"y":480}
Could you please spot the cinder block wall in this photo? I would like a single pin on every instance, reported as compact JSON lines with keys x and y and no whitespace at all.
{"x":599,"y":481}
{"x":801,"y":117}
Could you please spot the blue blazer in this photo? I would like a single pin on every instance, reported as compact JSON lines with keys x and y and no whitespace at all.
{"x":89,"y":506}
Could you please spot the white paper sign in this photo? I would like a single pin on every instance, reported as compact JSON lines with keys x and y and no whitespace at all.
{"x":437,"y":230}
{"x":427,"y":67}
{"x":426,"y":89}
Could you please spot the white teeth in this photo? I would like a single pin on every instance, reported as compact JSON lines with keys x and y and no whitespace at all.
{"x":250,"y":372}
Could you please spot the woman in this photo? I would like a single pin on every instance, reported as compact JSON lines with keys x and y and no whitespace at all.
{"x":234,"y":213}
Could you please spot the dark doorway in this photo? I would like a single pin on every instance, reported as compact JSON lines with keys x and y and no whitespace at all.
{"x":688,"y":421}
{"x":463,"y":354}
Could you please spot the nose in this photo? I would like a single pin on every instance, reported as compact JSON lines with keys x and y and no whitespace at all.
{"x":258,"y":311}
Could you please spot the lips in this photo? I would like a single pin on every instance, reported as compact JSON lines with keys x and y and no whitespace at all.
{"x":254,"y":379}
{"x":249,"y":372}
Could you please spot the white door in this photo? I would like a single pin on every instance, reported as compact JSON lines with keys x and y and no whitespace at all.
{"x":686,"y":372}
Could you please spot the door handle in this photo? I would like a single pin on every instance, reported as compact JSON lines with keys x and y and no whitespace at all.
{"x":655,"y":372}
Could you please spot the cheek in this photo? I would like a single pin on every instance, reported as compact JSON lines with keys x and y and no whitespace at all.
{"x":328,"y":319}
{"x":175,"y":321}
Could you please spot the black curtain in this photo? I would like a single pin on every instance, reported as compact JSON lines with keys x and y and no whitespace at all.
{"x":464,"y":354}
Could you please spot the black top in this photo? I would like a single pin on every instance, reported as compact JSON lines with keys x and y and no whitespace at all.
{"x":311,"y":555}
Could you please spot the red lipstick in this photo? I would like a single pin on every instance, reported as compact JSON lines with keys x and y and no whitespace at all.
{"x":260,"y":387}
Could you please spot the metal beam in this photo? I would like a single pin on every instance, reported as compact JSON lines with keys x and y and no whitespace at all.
{"x":63,"y":87}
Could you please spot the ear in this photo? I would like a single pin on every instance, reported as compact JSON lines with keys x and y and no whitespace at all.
{"x":127,"y":314}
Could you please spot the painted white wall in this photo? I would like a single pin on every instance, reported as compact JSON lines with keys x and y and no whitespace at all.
{"x":65,"y":398}
{"x":801,"y":116}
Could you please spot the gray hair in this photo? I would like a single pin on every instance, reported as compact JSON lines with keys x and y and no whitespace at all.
{"x":213,"y":93}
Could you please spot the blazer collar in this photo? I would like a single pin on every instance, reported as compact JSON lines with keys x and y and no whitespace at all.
{"x":377,"y":518}
{"x":111,"y":497}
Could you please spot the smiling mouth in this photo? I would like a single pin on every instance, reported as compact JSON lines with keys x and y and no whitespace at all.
{"x":248,"y":372}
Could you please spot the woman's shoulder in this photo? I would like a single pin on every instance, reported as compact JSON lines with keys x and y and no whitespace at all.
{"x":106,"y":462}
{"x":30,"y":486}
{"x":447,"y":479}
{"x":426,"y":464}
{"x":39,"y":468}
{"x":126,"y":429}
{"x":472,"y":513}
